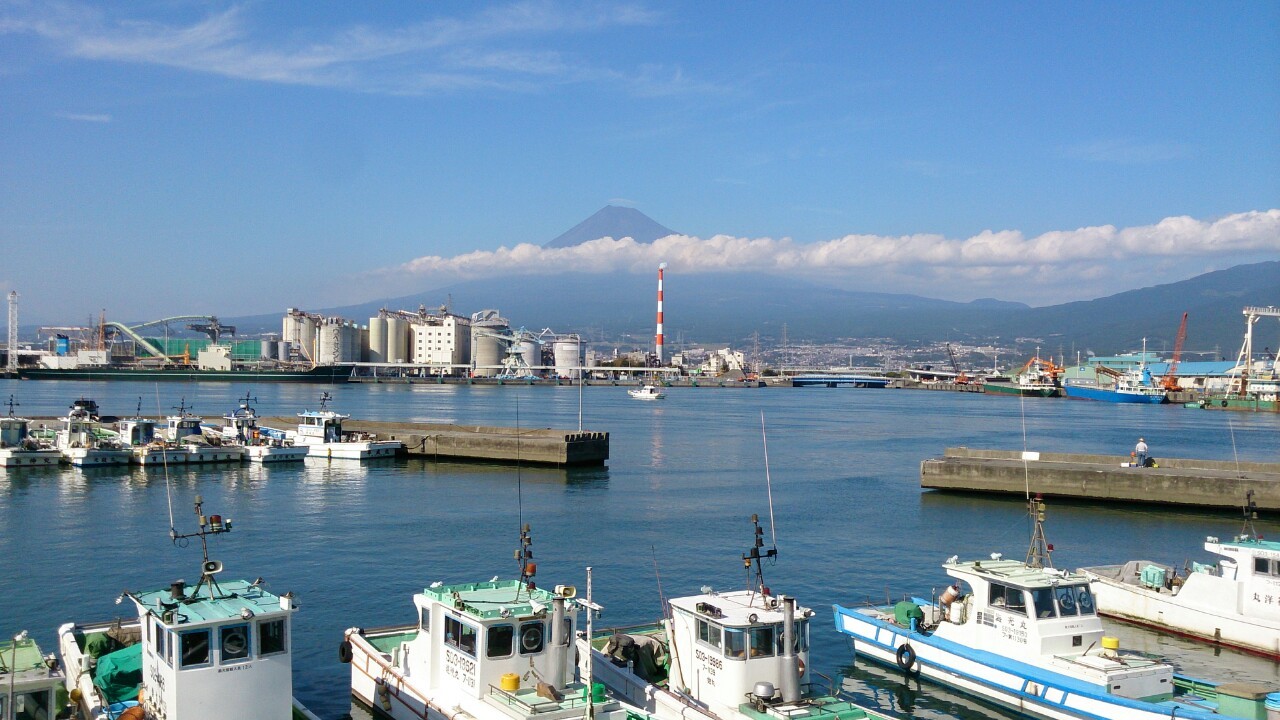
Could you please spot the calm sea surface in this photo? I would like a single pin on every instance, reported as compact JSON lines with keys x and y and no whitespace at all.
{"x":673,"y":504}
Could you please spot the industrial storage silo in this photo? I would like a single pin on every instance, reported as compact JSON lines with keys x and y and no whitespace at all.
{"x":567,"y":354}
{"x":377,"y":339}
{"x":307,"y":340}
{"x":350,"y":342}
{"x":488,"y":343}
{"x":397,"y":340}
{"x":330,"y":343}
{"x":531,"y":350}
{"x":285,"y":347}
{"x":269,"y":350}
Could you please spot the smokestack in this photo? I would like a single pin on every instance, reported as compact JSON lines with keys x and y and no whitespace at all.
{"x":661,"y":267}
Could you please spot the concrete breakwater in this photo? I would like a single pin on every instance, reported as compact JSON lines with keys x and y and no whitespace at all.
{"x":436,"y":441}
{"x":1177,"y":481}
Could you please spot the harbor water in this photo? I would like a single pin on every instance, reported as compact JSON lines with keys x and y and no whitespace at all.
{"x":669,"y":513}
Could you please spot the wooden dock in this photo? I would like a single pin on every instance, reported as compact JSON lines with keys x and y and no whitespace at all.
{"x":1177,"y":481}
{"x":434,"y":441}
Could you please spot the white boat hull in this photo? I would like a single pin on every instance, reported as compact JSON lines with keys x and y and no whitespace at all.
{"x":1017,"y":686}
{"x":274,"y":453}
{"x":93,"y":457}
{"x":14,"y":457}
{"x":153,"y":456}
{"x":214,"y":454}
{"x":1197,"y":612}
{"x":366,"y":450}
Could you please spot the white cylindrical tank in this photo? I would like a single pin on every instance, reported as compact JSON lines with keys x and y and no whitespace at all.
{"x":350,"y":342}
{"x":397,"y":340}
{"x":377,"y":339}
{"x":307,"y":340}
{"x":567,"y":354}
{"x":332,"y":343}
{"x":268,"y":350}
{"x":285,"y":346}
{"x":486,"y":349}
{"x":531,"y":351}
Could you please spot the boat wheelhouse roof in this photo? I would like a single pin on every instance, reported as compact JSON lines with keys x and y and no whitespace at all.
{"x":736,"y":608}
{"x":202,"y":605}
{"x":1247,"y":542}
{"x":325,"y":414}
{"x":27,"y":658}
{"x":500,"y":598}
{"x":1016,"y":572}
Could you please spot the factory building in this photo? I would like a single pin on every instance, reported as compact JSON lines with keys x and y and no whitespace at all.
{"x":442,"y":342}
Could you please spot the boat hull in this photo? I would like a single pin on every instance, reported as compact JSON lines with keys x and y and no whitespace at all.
{"x":1012,"y":389}
{"x":10,"y":457}
{"x":1201,"y":621}
{"x":1086,"y":392}
{"x":1014,"y":685}
{"x":274,"y":454}
{"x":93,"y":457}
{"x":354,"y":450}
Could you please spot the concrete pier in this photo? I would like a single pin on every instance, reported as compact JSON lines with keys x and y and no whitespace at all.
{"x":1178,"y":481}
{"x":533,"y":446}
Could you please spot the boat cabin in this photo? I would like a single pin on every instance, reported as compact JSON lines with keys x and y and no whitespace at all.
{"x":137,"y":431}
{"x":1041,"y":614}
{"x":220,"y":650}
{"x":324,"y":426}
{"x":13,"y":431}
{"x":241,"y":425}
{"x":30,"y":681}
{"x":475,"y":637}
{"x":1252,"y":565}
{"x":182,"y":426}
{"x":726,"y":646}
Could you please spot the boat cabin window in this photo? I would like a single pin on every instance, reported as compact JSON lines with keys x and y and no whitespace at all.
{"x":1074,"y":600}
{"x":234,"y":641}
{"x":158,"y":637}
{"x":460,"y":635}
{"x":29,"y":706}
{"x":424,"y":619}
{"x":801,"y":637}
{"x":735,"y":643}
{"x":709,"y":634}
{"x":762,"y":641}
{"x":195,"y":648}
{"x":1266,"y":566}
{"x":1007,"y":598}
{"x":501,"y":641}
{"x":531,"y":638}
{"x":271,"y":637}
{"x":1042,"y":602}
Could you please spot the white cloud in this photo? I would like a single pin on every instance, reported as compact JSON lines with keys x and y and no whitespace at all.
{"x":989,"y":259}
{"x":445,"y":54}
{"x":85,"y":117}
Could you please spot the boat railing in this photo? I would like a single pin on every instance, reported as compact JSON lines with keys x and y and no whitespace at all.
{"x":573,"y":701}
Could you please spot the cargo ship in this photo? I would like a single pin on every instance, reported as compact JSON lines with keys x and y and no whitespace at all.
{"x":317,"y":374}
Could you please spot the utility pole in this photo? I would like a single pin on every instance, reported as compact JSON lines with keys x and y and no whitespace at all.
{"x":11,"y":350}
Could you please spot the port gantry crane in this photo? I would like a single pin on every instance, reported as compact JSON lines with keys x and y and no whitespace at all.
{"x":1170,"y":379}
{"x":1244,"y":363}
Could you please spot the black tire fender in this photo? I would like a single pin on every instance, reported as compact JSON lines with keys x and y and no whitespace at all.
{"x":907,"y":658}
{"x":344,"y":651}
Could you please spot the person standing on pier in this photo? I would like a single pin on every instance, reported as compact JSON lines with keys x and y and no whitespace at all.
{"x":1140,"y":451}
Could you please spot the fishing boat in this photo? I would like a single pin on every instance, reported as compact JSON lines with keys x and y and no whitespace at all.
{"x":263,"y":445}
{"x":19,"y":448}
{"x":1037,"y":378}
{"x":1233,"y":602}
{"x":646,"y":392}
{"x":1027,"y":636}
{"x":320,"y":432}
{"x":731,"y":655}
{"x":146,"y":446}
{"x":83,"y":441}
{"x":222,"y":649}
{"x":186,"y":429}
{"x":1134,"y":385}
{"x":497,"y":650}
{"x":32,"y":686}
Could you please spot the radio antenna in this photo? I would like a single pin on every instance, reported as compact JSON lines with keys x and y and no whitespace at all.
{"x":768,"y":480}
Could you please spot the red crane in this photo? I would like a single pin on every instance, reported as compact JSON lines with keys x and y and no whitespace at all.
{"x":1170,"y":381}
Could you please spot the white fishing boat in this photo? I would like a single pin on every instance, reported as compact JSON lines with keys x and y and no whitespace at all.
{"x":264,"y":445}
{"x":19,"y":448}
{"x":222,"y":649}
{"x":187,"y":430}
{"x":32,"y":686}
{"x":83,"y":441}
{"x":646,"y":392}
{"x":145,"y":445}
{"x":497,"y":650}
{"x":1026,"y":636}
{"x":320,"y":432}
{"x":732,"y":655}
{"x":1234,"y":602}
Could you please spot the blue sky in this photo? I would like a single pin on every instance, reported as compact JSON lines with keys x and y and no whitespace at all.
{"x":180,"y":157}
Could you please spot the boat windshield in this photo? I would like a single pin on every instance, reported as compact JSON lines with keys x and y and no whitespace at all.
{"x":1042,"y":602}
{"x":1007,"y":598}
{"x":1074,"y":600}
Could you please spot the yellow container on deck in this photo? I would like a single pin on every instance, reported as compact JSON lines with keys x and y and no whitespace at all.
{"x":510,"y":682}
{"x":1110,"y":643}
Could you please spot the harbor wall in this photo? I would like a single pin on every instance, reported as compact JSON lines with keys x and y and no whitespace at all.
{"x":1177,"y":481}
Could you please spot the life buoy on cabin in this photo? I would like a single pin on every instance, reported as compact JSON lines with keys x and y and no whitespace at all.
{"x":344,"y":651}
{"x":800,"y":667}
{"x":907,"y":658}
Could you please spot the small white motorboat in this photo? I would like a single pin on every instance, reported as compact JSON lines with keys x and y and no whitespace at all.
{"x":646,"y":392}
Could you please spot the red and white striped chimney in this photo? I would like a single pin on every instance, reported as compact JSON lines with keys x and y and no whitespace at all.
{"x":661,"y":267}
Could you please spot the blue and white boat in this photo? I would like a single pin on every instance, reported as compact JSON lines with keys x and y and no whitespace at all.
{"x":1134,"y":385}
{"x":320,"y":432}
{"x":1028,"y":637}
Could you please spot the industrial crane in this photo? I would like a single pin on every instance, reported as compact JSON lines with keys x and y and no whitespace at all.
{"x":1170,"y":379}
{"x":961,"y":378}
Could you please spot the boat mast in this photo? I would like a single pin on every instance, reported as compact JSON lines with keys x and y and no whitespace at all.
{"x":1038,"y":554}
{"x":1250,"y":513}
{"x":753,"y":557}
